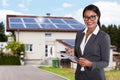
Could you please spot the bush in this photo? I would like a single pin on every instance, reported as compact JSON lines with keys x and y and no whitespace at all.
{"x":9,"y":60}
{"x":16,"y":47}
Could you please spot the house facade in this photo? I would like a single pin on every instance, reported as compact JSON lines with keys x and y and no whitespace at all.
{"x":41,"y":35}
{"x":42,"y":46}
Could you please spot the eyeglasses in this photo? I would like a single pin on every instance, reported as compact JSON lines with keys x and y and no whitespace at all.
{"x":92,"y":18}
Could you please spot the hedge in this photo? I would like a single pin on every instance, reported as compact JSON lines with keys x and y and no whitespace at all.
{"x":9,"y":60}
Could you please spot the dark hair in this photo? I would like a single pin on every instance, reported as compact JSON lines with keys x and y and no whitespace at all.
{"x":94,"y":9}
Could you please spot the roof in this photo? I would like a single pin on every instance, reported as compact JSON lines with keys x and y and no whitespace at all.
{"x":67,"y":42}
{"x":42,"y":23}
{"x":116,"y":53}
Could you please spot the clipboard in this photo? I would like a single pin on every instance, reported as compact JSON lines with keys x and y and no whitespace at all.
{"x":70,"y":57}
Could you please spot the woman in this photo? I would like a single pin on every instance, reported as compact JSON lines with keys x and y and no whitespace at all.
{"x":92,"y":47}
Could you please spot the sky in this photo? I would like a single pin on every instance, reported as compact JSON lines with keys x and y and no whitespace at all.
{"x":110,"y":9}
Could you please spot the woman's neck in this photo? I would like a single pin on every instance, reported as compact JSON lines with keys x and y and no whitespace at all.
{"x":90,"y":30}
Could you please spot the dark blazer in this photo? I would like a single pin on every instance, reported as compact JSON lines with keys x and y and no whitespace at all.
{"x":96,"y":50}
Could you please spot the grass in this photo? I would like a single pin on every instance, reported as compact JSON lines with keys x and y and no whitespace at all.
{"x":69,"y":73}
{"x":113,"y":75}
{"x":65,"y":72}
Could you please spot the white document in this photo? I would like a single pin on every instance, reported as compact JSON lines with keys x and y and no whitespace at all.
{"x":72,"y":58}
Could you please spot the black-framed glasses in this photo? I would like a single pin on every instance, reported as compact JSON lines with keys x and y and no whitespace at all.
{"x":92,"y":17}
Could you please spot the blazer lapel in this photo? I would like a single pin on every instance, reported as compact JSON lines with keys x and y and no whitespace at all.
{"x":81,"y":38}
{"x":88,"y":45}
{"x":79,"y":42}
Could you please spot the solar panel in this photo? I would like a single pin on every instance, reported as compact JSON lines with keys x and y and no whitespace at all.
{"x":47,"y":26}
{"x":70,"y":21}
{"x":15,"y":20}
{"x":32,"y":26}
{"x":16,"y":26}
{"x":78,"y":27}
{"x":29,"y":20}
{"x":43,"y":20}
{"x":57,"y":21}
{"x":62,"y":26}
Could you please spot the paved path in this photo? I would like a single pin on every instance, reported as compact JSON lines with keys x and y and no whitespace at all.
{"x":26,"y":73}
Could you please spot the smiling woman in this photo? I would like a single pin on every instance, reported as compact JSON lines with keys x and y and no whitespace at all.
{"x":92,"y":47}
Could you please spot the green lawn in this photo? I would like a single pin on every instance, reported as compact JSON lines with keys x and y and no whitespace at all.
{"x":65,"y":72}
{"x":69,"y":73}
{"x":113,"y":75}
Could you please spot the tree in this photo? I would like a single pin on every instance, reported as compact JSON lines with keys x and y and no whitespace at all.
{"x":114,"y":32}
{"x":3,"y":38}
{"x":118,"y":40}
{"x":16,"y":47}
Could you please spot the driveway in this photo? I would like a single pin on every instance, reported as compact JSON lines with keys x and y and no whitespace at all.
{"x":26,"y":73}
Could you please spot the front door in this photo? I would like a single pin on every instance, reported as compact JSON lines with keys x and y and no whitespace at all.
{"x":49,"y":50}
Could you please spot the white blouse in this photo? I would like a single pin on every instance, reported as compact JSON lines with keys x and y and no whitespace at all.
{"x":83,"y":43}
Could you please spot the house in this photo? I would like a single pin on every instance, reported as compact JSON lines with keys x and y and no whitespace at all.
{"x":42,"y":35}
{"x":2,"y":45}
{"x":116,"y":59}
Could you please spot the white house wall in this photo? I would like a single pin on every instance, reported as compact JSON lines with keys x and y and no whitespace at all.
{"x":39,"y":41}
{"x":59,"y":47}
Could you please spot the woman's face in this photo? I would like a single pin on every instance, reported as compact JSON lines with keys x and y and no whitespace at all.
{"x":90,"y":19}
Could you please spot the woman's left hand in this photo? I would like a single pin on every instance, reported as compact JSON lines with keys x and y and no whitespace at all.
{"x":84,"y":62}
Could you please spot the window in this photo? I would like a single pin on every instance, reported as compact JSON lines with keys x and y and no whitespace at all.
{"x":48,"y":34}
{"x":29,"y":47}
